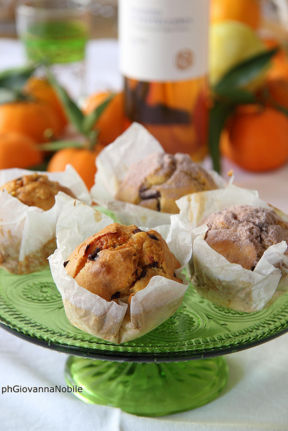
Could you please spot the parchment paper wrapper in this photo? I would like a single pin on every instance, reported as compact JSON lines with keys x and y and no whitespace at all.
{"x":27,"y":234}
{"x":113,"y":164}
{"x":112,"y":320}
{"x":213,"y":275}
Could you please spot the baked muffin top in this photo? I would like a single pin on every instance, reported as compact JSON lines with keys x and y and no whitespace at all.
{"x":157,"y":181}
{"x":118,"y":261}
{"x":242,"y":233}
{"x":35,"y":190}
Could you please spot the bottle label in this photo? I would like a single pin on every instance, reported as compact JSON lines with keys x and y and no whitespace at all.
{"x":164,"y":40}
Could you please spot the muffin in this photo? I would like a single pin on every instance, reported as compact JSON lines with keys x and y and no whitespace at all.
{"x":240,"y":256}
{"x":117,"y":282}
{"x":119,"y":261}
{"x":158,"y":180}
{"x":30,"y":204}
{"x":35,"y":190}
{"x":242,"y":233}
{"x":239,"y":247}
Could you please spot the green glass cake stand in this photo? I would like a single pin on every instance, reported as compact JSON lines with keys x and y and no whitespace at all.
{"x":174,"y":368}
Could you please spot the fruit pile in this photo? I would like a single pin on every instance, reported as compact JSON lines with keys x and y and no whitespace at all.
{"x":42,"y":128}
{"x":249,"y":116}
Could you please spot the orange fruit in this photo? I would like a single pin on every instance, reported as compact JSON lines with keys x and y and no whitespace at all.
{"x":18,"y":151}
{"x":82,"y":160}
{"x":111,"y":123}
{"x":277,"y":92}
{"x":32,"y":119}
{"x":279,"y":63}
{"x":256,"y":138}
{"x":42,"y":91}
{"x":95,"y":100}
{"x":245,"y":11}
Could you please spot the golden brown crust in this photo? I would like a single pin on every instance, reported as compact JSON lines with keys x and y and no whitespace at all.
{"x":160,"y":179}
{"x":35,"y":190}
{"x":243,"y":233}
{"x":120,"y":260}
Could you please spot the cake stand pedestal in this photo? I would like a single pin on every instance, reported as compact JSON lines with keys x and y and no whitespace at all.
{"x":147,"y":389}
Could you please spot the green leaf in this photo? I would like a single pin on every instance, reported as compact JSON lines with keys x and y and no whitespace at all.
{"x":281,"y":109}
{"x":93,"y":139}
{"x":60,"y":145}
{"x":237,"y":96}
{"x":8,"y":95}
{"x":245,"y":72}
{"x":219,"y":114}
{"x":72,"y":111}
{"x":16,"y":78}
{"x":93,"y":117}
{"x":108,"y":213}
{"x":42,"y":167}
{"x":266,"y":98}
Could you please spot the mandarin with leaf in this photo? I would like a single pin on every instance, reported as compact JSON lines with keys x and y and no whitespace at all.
{"x":256,"y":138}
{"x":111,"y":122}
{"x":42,"y":90}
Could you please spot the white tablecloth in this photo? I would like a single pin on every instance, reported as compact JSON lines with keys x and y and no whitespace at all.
{"x":256,"y":396}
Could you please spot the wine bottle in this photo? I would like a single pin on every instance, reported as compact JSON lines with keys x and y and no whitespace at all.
{"x":164,"y":61}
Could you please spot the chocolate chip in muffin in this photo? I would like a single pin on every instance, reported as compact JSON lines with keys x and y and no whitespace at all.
{"x":115,"y":295}
{"x":153,"y":264}
{"x":153,"y":237}
{"x":149,"y":194}
{"x":145,"y":269}
{"x":94,"y":255}
{"x":137,"y":231}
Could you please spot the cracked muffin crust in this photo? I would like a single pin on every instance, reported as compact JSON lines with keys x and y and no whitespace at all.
{"x":35,"y":190}
{"x":157,"y":181}
{"x":120,"y":260}
{"x":242,"y":233}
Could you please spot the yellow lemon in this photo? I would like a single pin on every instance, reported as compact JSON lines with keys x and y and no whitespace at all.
{"x":231,"y":43}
